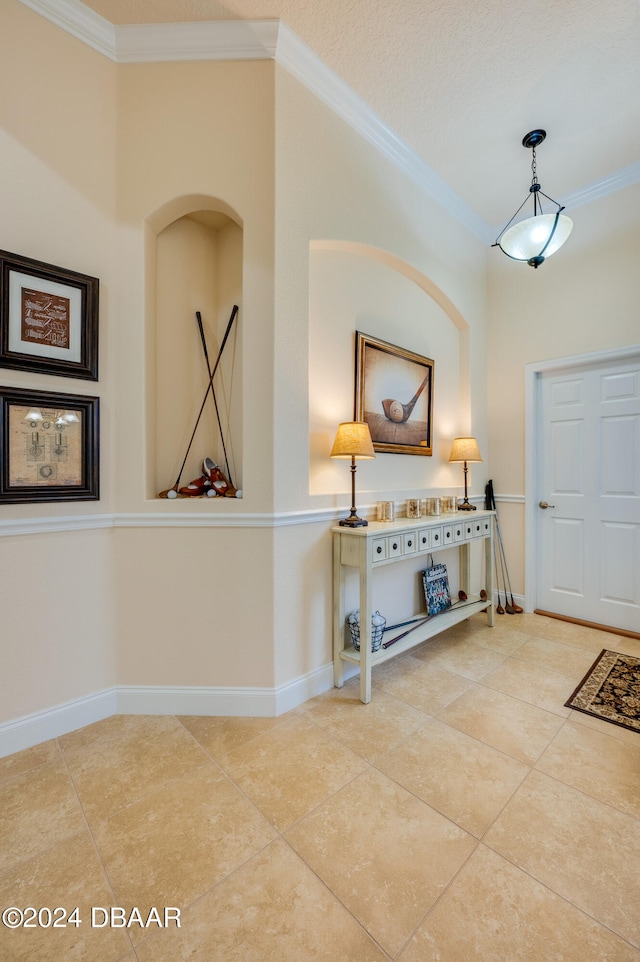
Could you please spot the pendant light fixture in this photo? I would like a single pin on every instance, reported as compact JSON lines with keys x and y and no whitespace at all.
{"x":536,"y":238}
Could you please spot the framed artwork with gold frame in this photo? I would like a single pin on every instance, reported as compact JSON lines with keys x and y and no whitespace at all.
{"x":48,"y":318}
{"x":394,"y":395}
{"x":49,"y":446}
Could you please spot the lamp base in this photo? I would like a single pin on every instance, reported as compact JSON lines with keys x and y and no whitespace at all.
{"x":353,"y":521}
{"x":466,"y":506}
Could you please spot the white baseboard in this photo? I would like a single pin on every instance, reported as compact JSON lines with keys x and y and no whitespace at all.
{"x":517,"y":599}
{"x":41,"y":726}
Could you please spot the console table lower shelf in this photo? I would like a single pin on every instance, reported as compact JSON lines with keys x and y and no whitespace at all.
{"x":379,"y":545}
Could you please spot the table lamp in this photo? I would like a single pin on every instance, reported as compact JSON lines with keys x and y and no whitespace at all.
{"x":353,"y":440}
{"x":465,"y":449}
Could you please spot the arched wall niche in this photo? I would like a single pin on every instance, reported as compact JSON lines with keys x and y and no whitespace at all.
{"x":358,"y":287}
{"x":402,"y":267}
{"x":194,"y":261}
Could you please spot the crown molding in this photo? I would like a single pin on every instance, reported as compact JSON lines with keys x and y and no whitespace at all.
{"x":625,"y":177}
{"x":273,"y":40}
{"x":256,"y":40}
{"x":202,"y":40}
{"x":80,"y":21}
{"x":302,"y":63}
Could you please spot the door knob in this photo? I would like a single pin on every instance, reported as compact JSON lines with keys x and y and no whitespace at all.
{"x":545,"y":504}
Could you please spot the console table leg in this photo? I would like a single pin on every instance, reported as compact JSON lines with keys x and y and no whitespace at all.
{"x":338,"y":615}
{"x":488,"y":568}
{"x":465,"y":567}
{"x":366,"y":601}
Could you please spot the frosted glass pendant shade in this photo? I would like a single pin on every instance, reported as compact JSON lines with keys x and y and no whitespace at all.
{"x":538,"y":237}
{"x":535,"y":238}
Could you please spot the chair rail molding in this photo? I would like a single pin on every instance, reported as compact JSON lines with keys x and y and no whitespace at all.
{"x":13,"y":527}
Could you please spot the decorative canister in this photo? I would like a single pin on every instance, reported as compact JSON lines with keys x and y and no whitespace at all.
{"x":385,"y":511}
{"x":448,"y":504}
{"x":433,"y":505}
{"x":412,"y":508}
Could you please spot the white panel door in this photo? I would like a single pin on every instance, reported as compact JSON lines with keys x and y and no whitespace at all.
{"x":588,"y":482}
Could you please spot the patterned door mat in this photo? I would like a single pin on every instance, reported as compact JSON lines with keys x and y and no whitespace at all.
{"x":611,"y":690}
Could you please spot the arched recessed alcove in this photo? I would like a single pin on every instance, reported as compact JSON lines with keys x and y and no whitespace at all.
{"x":194,"y":258}
{"x":357,"y":287}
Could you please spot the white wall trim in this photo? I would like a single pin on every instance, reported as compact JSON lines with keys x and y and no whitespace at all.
{"x":202,"y":40}
{"x":196,"y":700}
{"x":41,"y":726}
{"x":303,"y":64}
{"x":13,"y":527}
{"x":300,"y":690}
{"x":625,"y":177}
{"x":80,"y":21}
{"x":532,"y":375}
{"x":272,"y":39}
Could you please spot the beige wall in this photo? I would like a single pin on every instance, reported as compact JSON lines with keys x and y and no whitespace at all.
{"x":57,"y":619}
{"x":191,"y":135}
{"x":332,"y":186}
{"x":98,"y":170}
{"x":358,"y":246}
{"x":582,"y":300}
{"x":58,"y":199}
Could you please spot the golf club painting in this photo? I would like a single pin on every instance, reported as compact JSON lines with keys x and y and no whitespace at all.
{"x":394,"y":396}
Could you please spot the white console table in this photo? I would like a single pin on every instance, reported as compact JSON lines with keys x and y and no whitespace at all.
{"x":381,"y":543}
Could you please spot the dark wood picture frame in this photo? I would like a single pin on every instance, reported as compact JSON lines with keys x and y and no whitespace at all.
{"x":394,"y":395}
{"x":49,"y":446}
{"x":48,"y":318}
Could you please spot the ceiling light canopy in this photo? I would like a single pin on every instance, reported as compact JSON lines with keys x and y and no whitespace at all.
{"x":536,"y":238}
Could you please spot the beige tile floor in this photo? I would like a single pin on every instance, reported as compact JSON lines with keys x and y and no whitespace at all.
{"x":463,"y":814}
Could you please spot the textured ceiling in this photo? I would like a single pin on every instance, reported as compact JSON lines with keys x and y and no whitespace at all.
{"x":461,"y":82}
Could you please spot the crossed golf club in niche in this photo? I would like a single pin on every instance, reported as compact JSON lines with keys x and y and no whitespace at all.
{"x":230,"y":488}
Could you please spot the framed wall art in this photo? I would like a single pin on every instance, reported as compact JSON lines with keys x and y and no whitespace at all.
{"x":48,"y":318}
{"x":394,"y":395}
{"x":49,"y":446}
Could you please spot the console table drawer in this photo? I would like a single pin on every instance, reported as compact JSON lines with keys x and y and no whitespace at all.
{"x":476,"y":528}
{"x":394,"y":546}
{"x":409,"y":542}
{"x":423,"y":537}
{"x":379,"y":547}
{"x":468,"y":527}
{"x":436,"y":537}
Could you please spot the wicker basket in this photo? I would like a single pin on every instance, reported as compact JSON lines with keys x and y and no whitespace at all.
{"x":378,"y":623}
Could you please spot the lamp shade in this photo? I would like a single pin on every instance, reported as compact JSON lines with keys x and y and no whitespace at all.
{"x":465,"y":449}
{"x":538,"y":236}
{"x":353,"y":440}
